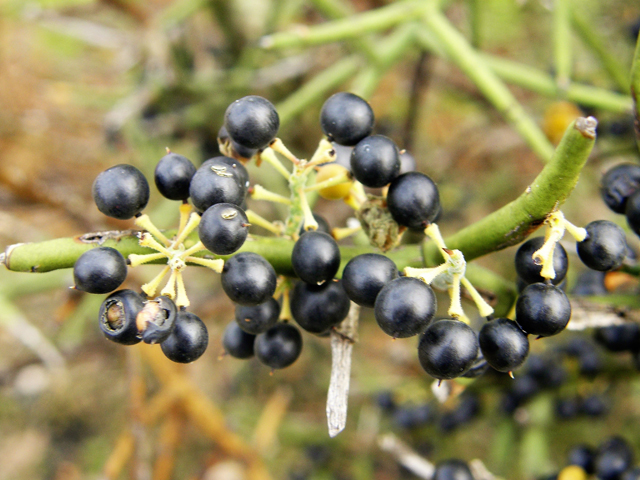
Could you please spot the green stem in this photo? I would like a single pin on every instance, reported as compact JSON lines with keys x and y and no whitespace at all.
{"x":562,"y":42}
{"x":635,"y":89}
{"x":616,"y":70}
{"x":348,"y":28}
{"x":468,"y":60}
{"x":515,"y":221}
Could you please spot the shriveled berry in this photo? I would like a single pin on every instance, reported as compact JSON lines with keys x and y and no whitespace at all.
{"x":248,"y":279}
{"x":413,"y":200}
{"x":279,"y":346}
{"x":223,"y":228}
{"x":237,"y":342}
{"x":173,"y":175}
{"x":252,"y":122}
{"x":504,"y":345}
{"x":529,"y":271}
{"x":605,"y":247}
{"x":618,"y":184}
{"x":117,"y":316}
{"x":259,"y":318}
{"x":375,"y":161}
{"x":315,"y":257}
{"x":317,"y":308}
{"x":99,"y":270}
{"x":365,"y":275}
{"x":121,"y":192}
{"x":447,"y":349}
{"x":156,"y":320}
{"x":452,"y":470}
{"x":188,"y":341}
{"x":346,"y":118}
{"x":543,"y":310}
{"x":404,"y":307}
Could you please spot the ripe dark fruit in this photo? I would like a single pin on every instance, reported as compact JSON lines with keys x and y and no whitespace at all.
{"x":346,"y":118}
{"x":315,"y":257}
{"x":240,"y":151}
{"x":317,"y":308}
{"x":413,"y":200}
{"x":404,"y":307}
{"x":216,"y":181}
{"x":232,"y":166}
{"x":279,"y":346}
{"x":529,"y":271}
{"x":248,"y":279}
{"x":157,"y":319}
{"x":99,"y":270}
{"x":117,"y":316}
{"x":365,"y":275}
{"x":604,"y":248}
{"x":613,"y":458}
{"x":252,"y":122}
{"x":237,"y":342}
{"x":504,"y":345}
{"x":543,"y":310}
{"x":375,"y":161}
{"x":632,"y":212}
{"x":223,"y":228}
{"x":173,"y":175}
{"x":188,"y":341}
{"x":121,"y":192}
{"x":259,"y":318}
{"x":619,"y":338}
{"x":323,"y":225}
{"x":447,"y":349}
{"x":582,"y":456}
{"x":452,"y":470}
{"x":618,"y":184}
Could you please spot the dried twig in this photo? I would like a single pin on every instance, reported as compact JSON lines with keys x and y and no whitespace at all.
{"x":406,"y":457}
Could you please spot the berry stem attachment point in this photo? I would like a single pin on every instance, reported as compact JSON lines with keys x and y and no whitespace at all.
{"x":325,"y":153}
{"x":144,"y":222}
{"x":135,"y":259}
{"x":192,"y":224}
{"x":259,"y":221}
{"x":309,"y":222}
{"x":278,"y":146}
{"x":260,"y":193}
{"x":214,"y":264}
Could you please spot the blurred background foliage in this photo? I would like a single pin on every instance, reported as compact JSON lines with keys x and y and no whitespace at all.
{"x":87,"y":84}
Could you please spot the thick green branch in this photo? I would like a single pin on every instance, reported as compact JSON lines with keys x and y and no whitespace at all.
{"x":515,"y":221}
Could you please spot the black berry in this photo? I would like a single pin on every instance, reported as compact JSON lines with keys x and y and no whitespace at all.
{"x":223,"y":228}
{"x":173,"y":175}
{"x":237,"y":342}
{"x":404,"y":307}
{"x":375,"y":161}
{"x":413,"y":200}
{"x":315,"y":257}
{"x":583,"y":456}
{"x":346,"y":118}
{"x":447,"y":349}
{"x":365,"y":275}
{"x":157,"y":319}
{"x":117,"y":316}
{"x":613,"y":458}
{"x":99,"y":270}
{"x":529,"y":271}
{"x":504,"y":345}
{"x":604,"y":248}
{"x":543,"y":310}
{"x":240,"y":151}
{"x":217,"y":182}
{"x":279,"y":346}
{"x":452,"y":470}
{"x":618,"y":184}
{"x":248,"y":279}
{"x":259,"y":318}
{"x":121,"y":192}
{"x":316,"y":308}
{"x":188,"y":341}
{"x":252,"y":122}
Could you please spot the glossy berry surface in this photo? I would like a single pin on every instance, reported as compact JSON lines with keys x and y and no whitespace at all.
{"x":375,"y":161}
{"x":157,"y":319}
{"x":315,"y":257}
{"x":173,"y":175}
{"x":121,"y":192}
{"x":217,"y":182}
{"x":279,"y":346}
{"x":237,"y":342}
{"x":259,"y":318}
{"x":529,"y":271}
{"x":99,"y":270}
{"x":240,"y":151}
{"x":404,"y":307}
{"x":413,"y":200}
{"x":188,"y":341}
{"x":452,"y":470}
{"x":252,"y":122}
{"x":223,"y":228}
{"x":632,"y":212}
{"x":346,"y":118}
{"x":365,"y":275}
{"x":117,"y":316}
{"x":317,"y":308}
{"x":542,"y":310}
{"x":604,"y":248}
{"x":323,"y":225}
{"x":504,"y":345}
{"x":618,"y":184}
{"x":613,"y":458}
{"x":447,"y":349}
{"x":248,"y":279}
